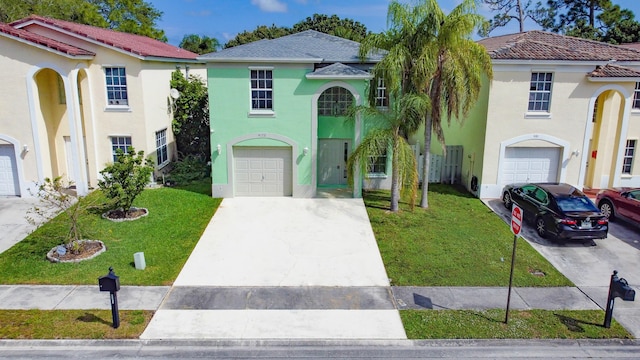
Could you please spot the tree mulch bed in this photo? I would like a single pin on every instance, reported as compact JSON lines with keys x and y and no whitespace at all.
{"x":121,"y":215}
{"x":90,"y":249}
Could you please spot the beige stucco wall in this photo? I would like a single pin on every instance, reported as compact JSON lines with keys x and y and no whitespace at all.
{"x":25,"y":79}
{"x":567,"y":125}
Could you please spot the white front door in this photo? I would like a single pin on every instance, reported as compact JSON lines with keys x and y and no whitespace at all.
{"x":68,"y":149}
{"x":332,"y":161}
{"x":8,"y":171}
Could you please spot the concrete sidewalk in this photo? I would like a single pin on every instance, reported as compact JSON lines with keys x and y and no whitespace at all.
{"x":64,"y":297}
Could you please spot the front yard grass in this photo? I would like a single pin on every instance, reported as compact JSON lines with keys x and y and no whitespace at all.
{"x":529,"y":324}
{"x":457,"y":241}
{"x":72,"y":324}
{"x":167,"y":236}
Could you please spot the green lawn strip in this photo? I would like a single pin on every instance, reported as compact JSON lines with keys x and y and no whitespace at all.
{"x":457,"y":241}
{"x":529,"y":324}
{"x":72,"y":324}
{"x":167,"y":236}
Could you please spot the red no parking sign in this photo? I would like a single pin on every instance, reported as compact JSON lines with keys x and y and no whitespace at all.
{"x":516,"y":219}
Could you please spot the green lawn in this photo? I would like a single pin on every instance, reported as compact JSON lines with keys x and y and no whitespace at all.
{"x":489,"y":324}
{"x":72,"y":324}
{"x":457,"y":241}
{"x":167,"y":236}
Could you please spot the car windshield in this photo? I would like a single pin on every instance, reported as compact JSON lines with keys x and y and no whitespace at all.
{"x":575,"y":203}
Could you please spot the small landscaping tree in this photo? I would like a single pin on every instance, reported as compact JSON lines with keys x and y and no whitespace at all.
{"x":55,"y":198}
{"x":123,"y":180}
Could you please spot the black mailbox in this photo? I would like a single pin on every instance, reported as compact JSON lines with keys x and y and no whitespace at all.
{"x":622,"y":290}
{"x":109,"y":282}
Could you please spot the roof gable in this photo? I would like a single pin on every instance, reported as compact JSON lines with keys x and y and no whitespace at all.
{"x":136,"y":45}
{"x":306,"y":46}
{"x":542,"y":45}
{"x":44,"y":41}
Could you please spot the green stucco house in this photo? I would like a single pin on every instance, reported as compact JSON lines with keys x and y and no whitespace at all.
{"x":278,"y":124}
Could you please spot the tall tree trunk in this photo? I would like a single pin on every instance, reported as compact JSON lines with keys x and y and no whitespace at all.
{"x":592,"y":13}
{"x":395,"y":176}
{"x":426,"y":153}
{"x":520,"y":15}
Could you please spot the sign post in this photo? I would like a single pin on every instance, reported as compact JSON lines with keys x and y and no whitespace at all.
{"x":516,"y":227}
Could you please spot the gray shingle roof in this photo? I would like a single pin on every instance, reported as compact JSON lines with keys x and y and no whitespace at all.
{"x":307,"y":46}
{"x":339,"y":70}
{"x":541,"y":45}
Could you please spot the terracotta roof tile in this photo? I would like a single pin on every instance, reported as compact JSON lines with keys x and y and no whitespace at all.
{"x":135,"y":44}
{"x":541,"y":45}
{"x":44,"y":41}
{"x":614,"y":71}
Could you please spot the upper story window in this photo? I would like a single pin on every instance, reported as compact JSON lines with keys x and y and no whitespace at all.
{"x":629,"y":152}
{"x":335,"y":101}
{"x":636,"y":97}
{"x":540,"y":91}
{"x":382,"y":96}
{"x":120,"y":142}
{"x":162,"y":154}
{"x":261,"y":89}
{"x":116,"y":78}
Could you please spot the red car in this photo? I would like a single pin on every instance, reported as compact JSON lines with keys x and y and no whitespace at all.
{"x":620,"y":202}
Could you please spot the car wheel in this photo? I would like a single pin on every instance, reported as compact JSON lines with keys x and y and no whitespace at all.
{"x":506,"y":199}
{"x":606,"y":208}
{"x":541,"y":227}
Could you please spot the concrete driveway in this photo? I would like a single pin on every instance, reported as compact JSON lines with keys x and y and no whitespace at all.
{"x":13,"y":223}
{"x":284,"y":268}
{"x":590,"y":267}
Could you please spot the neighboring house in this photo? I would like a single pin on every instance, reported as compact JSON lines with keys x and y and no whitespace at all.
{"x":73,"y":93}
{"x":558,"y":109}
{"x":277,"y":116}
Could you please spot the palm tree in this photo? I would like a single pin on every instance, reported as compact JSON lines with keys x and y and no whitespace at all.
{"x":387,"y":137}
{"x":452,"y":72}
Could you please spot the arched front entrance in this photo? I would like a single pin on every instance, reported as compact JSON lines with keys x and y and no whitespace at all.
{"x":605,"y":139}
{"x":335,"y":134}
{"x":59,"y":127}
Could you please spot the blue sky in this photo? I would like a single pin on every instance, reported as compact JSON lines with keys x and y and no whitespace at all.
{"x":223,"y":19}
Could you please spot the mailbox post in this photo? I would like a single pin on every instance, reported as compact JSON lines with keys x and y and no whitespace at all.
{"x":618,"y":287}
{"x":111,"y":283}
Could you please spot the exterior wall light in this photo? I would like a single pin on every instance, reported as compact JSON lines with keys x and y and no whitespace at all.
{"x":305,"y":151}
{"x":219,"y":149}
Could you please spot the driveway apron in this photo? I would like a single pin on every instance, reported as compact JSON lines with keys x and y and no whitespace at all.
{"x":282,"y":268}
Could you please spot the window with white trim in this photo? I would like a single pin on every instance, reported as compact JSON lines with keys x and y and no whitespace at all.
{"x":335,"y":101}
{"x":377,"y":164}
{"x":261,"y":89}
{"x":382,"y":97}
{"x":162,"y":154}
{"x":120,"y":142}
{"x":116,"y":79}
{"x":627,"y":160}
{"x":636,"y":97}
{"x":540,"y":91}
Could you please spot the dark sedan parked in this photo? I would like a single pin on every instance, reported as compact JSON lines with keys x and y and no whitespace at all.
{"x":557,"y":210}
{"x":620,"y":202}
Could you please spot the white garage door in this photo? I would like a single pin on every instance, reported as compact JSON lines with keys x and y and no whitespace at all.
{"x":8,"y":171}
{"x":262,"y":171}
{"x":525,"y":164}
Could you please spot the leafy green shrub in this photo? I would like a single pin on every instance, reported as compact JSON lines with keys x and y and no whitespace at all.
{"x":189,"y":169}
{"x":123,"y":180}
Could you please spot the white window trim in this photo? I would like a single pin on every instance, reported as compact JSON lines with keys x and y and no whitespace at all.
{"x":110,"y":107}
{"x":540,"y":113}
{"x":260,"y":112}
{"x":111,"y":152}
{"x":636,"y":95}
{"x":166,"y":145}
{"x":633,"y":158}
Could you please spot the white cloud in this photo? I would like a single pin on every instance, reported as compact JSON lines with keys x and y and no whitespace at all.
{"x":270,"y":5}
